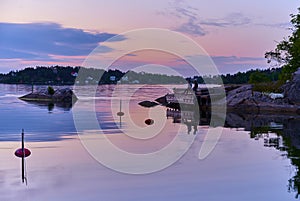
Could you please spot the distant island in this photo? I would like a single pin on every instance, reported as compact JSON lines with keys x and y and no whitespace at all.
{"x":60,"y":75}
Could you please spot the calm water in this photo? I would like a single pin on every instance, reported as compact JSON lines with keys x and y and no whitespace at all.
{"x":256,"y":157}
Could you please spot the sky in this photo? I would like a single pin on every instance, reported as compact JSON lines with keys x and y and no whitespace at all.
{"x":235,"y":34}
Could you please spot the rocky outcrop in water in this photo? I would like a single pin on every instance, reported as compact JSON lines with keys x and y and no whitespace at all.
{"x":65,"y":95}
{"x":148,"y":103}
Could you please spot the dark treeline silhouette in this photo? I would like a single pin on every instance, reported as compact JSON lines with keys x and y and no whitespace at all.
{"x":60,"y":75}
{"x":251,"y":76}
{"x":41,"y":75}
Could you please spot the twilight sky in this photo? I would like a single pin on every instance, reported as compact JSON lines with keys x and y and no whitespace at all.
{"x":234,"y":33}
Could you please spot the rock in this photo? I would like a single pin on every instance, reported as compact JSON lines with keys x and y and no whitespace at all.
{"x":65,"y":95}
{"x":148,"y":104}
{"x":244,"y":100}
{"x":239,"y":96}
{"x":162,"y":100}
{"x":292,"y":89}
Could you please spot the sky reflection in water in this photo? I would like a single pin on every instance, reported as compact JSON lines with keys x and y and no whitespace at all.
{"x":243,"y":166}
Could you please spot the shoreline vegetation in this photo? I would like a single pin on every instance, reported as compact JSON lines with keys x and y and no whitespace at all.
{"x":61,"y":75}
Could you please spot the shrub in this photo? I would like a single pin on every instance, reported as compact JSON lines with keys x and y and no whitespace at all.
{"x":268,"y":87}
{"x":51,"y":91}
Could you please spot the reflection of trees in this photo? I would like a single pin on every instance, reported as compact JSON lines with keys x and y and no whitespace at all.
{"x":292,"y":152}
{"x":292,"y":141}
{"x":280,"y":132}
{"x":294,"y":155}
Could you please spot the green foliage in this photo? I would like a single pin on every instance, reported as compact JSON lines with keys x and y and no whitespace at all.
{"x":287,"y":52}
{"x":265,"y":82}
{"x":240,"y":77}
{"x":268,"y":87}
{"x":287,"y":72}
{"x":258,"y":77}
{"x":51,"y":91}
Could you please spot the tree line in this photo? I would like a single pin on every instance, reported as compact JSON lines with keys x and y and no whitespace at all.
{"x":251,"y":76}
{"x":60,"y":75}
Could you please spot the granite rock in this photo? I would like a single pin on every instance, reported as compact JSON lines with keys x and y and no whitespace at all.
{"x":65,"y":95}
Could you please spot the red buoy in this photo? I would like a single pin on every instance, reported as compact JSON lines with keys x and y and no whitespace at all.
{"x":120,"y":114}
{"x":19,"y":153}
{"x":149,"y":121}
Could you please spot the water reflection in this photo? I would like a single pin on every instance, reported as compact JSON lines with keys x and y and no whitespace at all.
{"x":66,"y":106}
{"x":189,"y":118}
{"x":120,"y":113}
{"x":240,"y":168}
{"x":280,"y":132}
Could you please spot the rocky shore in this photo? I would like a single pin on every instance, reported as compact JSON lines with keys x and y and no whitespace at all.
{"x":244,"y":99}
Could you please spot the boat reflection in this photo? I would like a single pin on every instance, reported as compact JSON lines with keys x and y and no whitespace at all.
{"x":188,"y":117}
{"x":281,"y":132}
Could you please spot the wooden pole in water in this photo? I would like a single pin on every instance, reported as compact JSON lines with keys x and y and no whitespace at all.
{"x":23,"y":157}
{"x":120,"y":112}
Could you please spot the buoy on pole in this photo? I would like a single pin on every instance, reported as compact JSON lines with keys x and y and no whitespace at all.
{"x":23,"y":153}
{"x":120,"y":113}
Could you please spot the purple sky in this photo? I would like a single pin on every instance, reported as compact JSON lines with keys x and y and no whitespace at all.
{"x":234,"y":33}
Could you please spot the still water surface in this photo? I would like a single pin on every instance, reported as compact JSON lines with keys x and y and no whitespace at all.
{"x":256,"y":158}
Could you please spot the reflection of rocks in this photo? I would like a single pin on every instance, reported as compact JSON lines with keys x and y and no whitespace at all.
{"x":62,"y":98}
{"x":278,"y":131}
{"x":249,"y":121}
{"x":292,"y":131}
{"x":292,"y":89}
{"x":287,"y":125}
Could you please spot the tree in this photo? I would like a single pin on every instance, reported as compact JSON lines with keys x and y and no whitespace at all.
{"x":287,"y":52}
{"x":51,"y":91}
{"x":258,"y":77}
